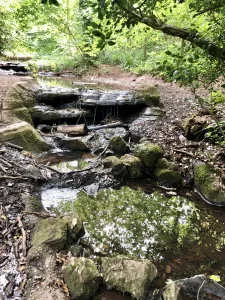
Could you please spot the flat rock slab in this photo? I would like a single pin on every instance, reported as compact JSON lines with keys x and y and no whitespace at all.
{"x":17,"y":67}
{"x":90,"y":97}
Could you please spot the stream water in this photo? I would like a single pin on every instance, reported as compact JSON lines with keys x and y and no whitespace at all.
{"x":179,"y":232}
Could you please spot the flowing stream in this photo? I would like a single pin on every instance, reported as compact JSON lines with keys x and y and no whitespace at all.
{"x":179,"y":232}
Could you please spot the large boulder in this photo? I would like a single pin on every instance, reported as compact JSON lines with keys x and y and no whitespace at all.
{"x":82,"y":278}
{"x":19,"y":99}
{"x":118,"y":145}
{"x":148,"y":153}
{"x":24,"y":135}
{"x":209,"y":184}
{"x":56,"y":233}
{"x":128,"y":275}
{"x":133,"y":165}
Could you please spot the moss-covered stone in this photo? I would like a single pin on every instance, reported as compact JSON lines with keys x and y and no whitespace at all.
{"x":82,"y":278}
{"x":116,"y":165}
{"x":148,"y":153}
{"x":133,"y":165}
{"x":21,"y":94}
{"x":118,"y":145}
{"x":127,"y":275}
{"x":148,"y":95}
{"x":167,"y":177}
{"x":51,"y":232}
{"x":57,"y":233}
{"x":209,"y":184}
{"x":194,"y":126}
{"x":24,"y":135}
{"x":31,"y":203}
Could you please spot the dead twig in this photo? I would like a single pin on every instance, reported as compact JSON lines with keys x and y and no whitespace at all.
{"x":105,"y":149}
{"x":2,"y":169}
{"x":184,"y":152}
{"x":5,"y":163}
{"x":14,"y":146}
{"x":13,"y":177}
{"x":24,"y":237}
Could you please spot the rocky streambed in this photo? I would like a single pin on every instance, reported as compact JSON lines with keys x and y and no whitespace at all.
{"x":108,"y":208}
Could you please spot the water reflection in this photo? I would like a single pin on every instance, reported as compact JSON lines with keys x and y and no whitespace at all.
{"x":173,"y":231}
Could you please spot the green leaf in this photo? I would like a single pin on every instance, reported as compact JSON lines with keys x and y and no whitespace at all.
{"x":97,"y":33}
{"x":111,"y":43}
{"x":168,"y":52}
{"x":94,"y":25}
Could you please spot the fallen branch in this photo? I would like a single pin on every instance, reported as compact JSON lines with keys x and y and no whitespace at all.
{"x":111,"y":125}
{"x":39,"y":214}
{"x":13,"y":177}
{"x":24,"y":237}
{"x":14,"y":146}
{"x":184,"y":152}
{"x":106,"y":147}
{"x":2,"y":169}
{"x":6,"y":163}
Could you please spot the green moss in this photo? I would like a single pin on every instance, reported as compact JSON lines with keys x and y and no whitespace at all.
{"x":133,"y":165}
{"x":148,"y":153}
{"x":22,"y":114}
{"x":21,"y":94}
{"x":149,"y":95}
{"x":50,"y":232}
{"x":82,"y":278}
{"x":118,"y":145}
{"x":113,"y":162}
{"x":24,"y":135}
{"x":167,"y":178}
{"x":208,"y":183}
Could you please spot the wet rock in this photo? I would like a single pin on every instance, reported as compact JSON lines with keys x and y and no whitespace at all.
{"x":118,"y":145}
{"x":168,"y":178}
{"x":209,"y":184}
{"x":42,"y":113}
{"x":198,"y":286}
{"x":117,"y":166}
{"x":166,"y":173}
{"x":148,"y":153}
{"x":82,"y":278}
{"x":31,"y":203}
{"x":24,"y":135}
{"x":56,"y":232}
{"x":44,"y":128}
{"x":148,"y":95}
{"x":56,"y":95}
{"x":127,"y":275}
{"x":75,"y":144}
{"x":100,"y":139}
{"x":133,"y":165}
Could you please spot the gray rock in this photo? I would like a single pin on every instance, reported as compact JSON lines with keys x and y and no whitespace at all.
{"x":127,"y":275}
{"x":82,"y":278}
{"x":75,"y":144}
{"x":42,"y":113}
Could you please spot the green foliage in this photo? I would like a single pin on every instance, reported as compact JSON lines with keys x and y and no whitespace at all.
{"x":213,"y":133}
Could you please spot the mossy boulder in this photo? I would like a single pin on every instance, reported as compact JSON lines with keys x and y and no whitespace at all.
{"x":56,"y":233}
{"x":148,"y":153}
{"x":133,"y":165}
{"x":75,"y":144}
{"x":209,"y":184}
{"x":128,"y":275}
{"x":21,"y":94}
{"x":15,"y":115}
{"x":82,"y":278}
{"x":24,"y":135}
{"x":148,"y":95}
{"x":116,"y":164}
{"x":118,"y":145}
{"x":167,"y":177}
